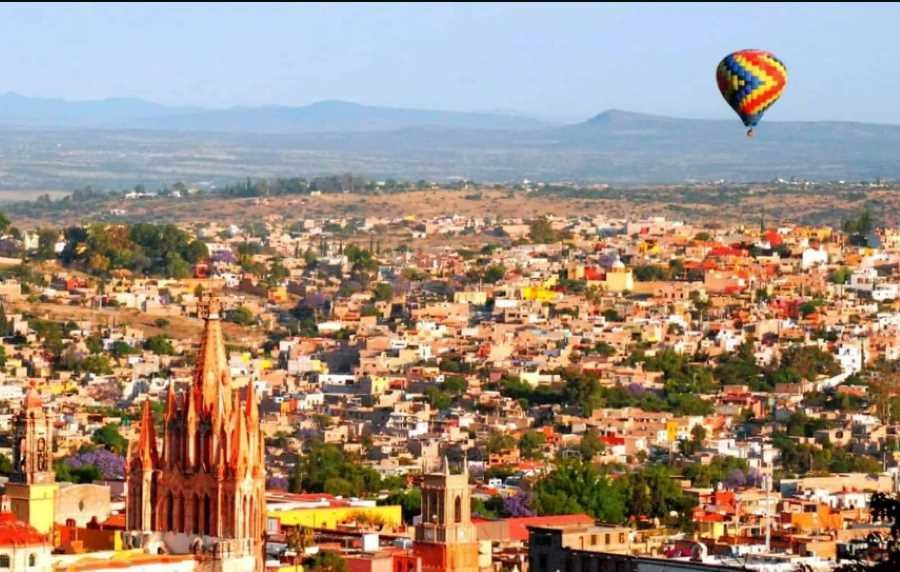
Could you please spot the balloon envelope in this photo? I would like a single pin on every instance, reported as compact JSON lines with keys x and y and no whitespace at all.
{"x":751,"y":81}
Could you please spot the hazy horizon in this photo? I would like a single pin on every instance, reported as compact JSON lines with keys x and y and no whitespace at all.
{"x":556,"y":62}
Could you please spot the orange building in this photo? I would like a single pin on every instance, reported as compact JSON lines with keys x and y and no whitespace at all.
{"x":208,"y":484}
{"x":806,"y":516}
{"x":446,"y":539}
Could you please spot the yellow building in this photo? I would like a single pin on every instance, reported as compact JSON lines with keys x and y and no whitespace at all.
{"x":325,"y":511}
{"x":378,"y":384}
{"x":538,"y":293}
{"x":647,"y":247}
{"x":672,"y":428}
{"x":32,"y":486}
{"x":619,"y":279}
{"x":277,"y":295}
{"x":476,"y":297}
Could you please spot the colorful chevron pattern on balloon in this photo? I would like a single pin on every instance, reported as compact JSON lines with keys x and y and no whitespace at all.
{"x":751,"y":81}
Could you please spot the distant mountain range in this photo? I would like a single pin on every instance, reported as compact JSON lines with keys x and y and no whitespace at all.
{"x":323,"y":116}
{"x":136,"y":140}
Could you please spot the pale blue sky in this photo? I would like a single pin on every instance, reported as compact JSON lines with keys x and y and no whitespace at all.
{"x":555,"y":61}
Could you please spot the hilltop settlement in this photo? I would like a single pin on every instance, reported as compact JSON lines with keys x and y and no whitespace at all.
{"x":452,"y":392}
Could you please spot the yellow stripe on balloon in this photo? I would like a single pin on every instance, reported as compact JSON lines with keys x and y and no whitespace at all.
{"x":765,"y":81}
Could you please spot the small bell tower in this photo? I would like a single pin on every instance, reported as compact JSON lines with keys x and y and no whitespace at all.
{"x":32,"y":486}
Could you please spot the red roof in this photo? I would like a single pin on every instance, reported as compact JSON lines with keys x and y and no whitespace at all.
{"x":594,"y":273}
{"x":518,"y":527}
{"x":773,"y":238}
{"x":116,"y":521}
{"x":721,"y":251}
{"x":17,"y":533}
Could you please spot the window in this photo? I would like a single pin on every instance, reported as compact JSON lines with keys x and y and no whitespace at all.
{"x":621,"y":538}
{"x":32,"y":560}
{"x":608,"y":539}
{"x":170,"y":512}
{"x":457,"y":509}
{"x":272,"y":525}
{"x":4,"y":560}
{"x":593,"y":540}
{"x":196,"y":528}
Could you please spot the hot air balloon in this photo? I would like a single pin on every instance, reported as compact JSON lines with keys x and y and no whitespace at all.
{"x":751,"y":81}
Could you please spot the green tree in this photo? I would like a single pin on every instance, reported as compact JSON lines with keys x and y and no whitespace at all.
{"x":95,"y":364}
{"x":653,"y":492}
{"x":610,"y":315}
{"x":590,"y":445}
{"x":120,"y":349}
{"x":160,"y":345}
{"x":455,"y":384}
{"x":695,"y":443}
{"x":740,"y":368}
{"x":708,"y":475}
{"x":809,"y":362}
{"x":497,"y":442}
{"x":299,"y":538}
{"x":340,"y":487}
{"x":325,"y":561}
{"x":650,"y":273}
{"x":603,"y":349}
{"x":841,"y":275}
{"x":541,"y":231}
{"x":94,"y":344}
{"x":47,"y":239}
{"x":176,"y":266}
{"x":494,"y":273}
{"x":108,"y":436}
{"x":323,"y":462}
{"x":196,"y":251}
{"x":241,"y":316}
{"x":383,"y":292}
{"x":438,"y":399}
{"x":410,"y":501}
{"x":531,"y":444}
{"x":580,"y":487}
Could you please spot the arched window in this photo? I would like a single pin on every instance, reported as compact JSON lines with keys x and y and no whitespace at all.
{"x":170,"y":512}
{"x":182,"y":514}
{"x":207,"y":515}
{"x":245,"y":517}
{"x":196,"y":529}
{"x":252,"y":517}
{"x":234,"y":519}
{"x":457,"y":509}
{"x":32,"y":560}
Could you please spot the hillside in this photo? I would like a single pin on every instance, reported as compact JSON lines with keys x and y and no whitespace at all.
{"x":113,"y":143}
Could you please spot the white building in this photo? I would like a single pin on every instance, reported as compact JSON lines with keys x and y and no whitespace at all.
{"x":813,"y":257}
{"x":22,"y":548}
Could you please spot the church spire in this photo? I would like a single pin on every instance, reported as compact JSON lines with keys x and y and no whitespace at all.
{"x":251,"y":407}
{"x":171,"y":402}
{"x":147,"y":450}
{"x":32,"y":399}
{"x":216,"y":456}
{"x":211,"y":373}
